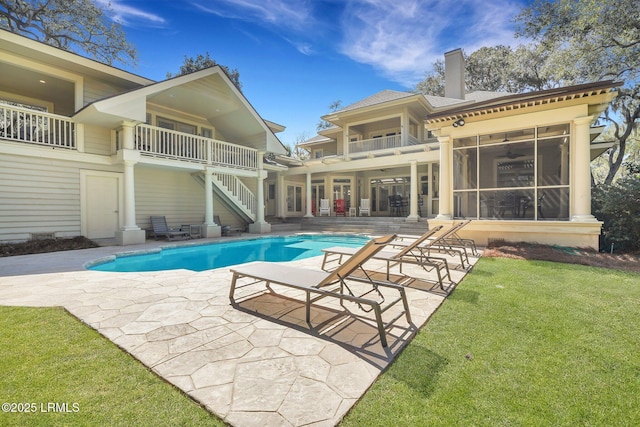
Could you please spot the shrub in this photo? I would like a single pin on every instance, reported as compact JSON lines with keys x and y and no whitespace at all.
{"x":618,"y":205}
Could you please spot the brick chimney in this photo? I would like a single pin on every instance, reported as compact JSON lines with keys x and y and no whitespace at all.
{"x":454,"y":74}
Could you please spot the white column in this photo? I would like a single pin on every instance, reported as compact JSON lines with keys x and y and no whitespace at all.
{"x":309,"y":213}
{"x":445,"y":193}
{"x":208,"y":197}
{"x":129,"y":232}
{"x":345,"y":141}
{"x":209,"y":228}
{"x":129,"y":197}
{"x":260,"y":197}
{"x":281,"y":197}
{"x":404,"y":128}
{"x":581,"y":187}
{"x":413,"y":204}
{"x":260,"y":225}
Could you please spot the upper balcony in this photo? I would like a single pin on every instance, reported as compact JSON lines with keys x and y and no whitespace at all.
{"x":153,"y":141}
{"x":391,"y":142}
{"x":23,"y":125}
{"x":36,"y":127}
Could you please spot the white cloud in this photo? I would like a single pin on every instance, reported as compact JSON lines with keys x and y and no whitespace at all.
{"x":290,"y":14}
{"x":404,"y":41}
{"x":126,"y":15}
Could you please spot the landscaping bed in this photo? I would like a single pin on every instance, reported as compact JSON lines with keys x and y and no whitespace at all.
{"x":46,"y":245}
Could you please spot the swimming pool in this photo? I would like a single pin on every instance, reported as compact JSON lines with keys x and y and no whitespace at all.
{"x":217,"y":255}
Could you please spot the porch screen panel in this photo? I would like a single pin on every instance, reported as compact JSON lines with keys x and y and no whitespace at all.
{"x":521,"y":174}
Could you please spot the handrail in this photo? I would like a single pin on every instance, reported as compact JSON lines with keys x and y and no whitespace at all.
{"x":160,"y":142}
{"x":239,"y":190}
{"x":36,"y":127}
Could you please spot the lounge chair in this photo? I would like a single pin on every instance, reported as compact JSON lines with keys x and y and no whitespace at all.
{"x":365,"y":207}
{"x":410,"y":254}
{"x":333,"y":284}
{"x":324,"y":207}
{"x":456,"y":241}
{"x":226,"y":230}
{"x":161,"y":229}
{"x":443,"y":243}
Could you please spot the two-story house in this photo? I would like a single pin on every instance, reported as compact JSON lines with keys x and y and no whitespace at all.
{"x":518,"y":164}
{"x":89,"y":149}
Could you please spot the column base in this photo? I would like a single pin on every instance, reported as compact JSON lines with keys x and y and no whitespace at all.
{"x":444,"y":216}
{"x":211,"y":230}
{"x":413,"y":218}
{"x":584,"y":218}
{"x":260,"y":228}
{"x":130,"y":237}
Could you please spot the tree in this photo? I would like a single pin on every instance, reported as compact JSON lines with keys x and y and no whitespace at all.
{"x":201,"y":62}
{"x":323,"y":124}
{"x":73,"y":25}
{"x":593,"y":40}
{"x":297,"y":152}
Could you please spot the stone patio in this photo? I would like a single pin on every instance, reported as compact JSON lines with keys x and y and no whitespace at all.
{"x":254,"y":363}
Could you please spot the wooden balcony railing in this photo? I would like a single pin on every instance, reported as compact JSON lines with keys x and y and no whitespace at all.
{"x":36,"y":127}
{"x":160,"y":142}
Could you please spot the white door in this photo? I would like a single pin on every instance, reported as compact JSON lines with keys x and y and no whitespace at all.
{"x":102,"y":213}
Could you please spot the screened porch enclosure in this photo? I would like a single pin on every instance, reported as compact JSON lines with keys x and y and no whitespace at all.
{"x":517,"y":175}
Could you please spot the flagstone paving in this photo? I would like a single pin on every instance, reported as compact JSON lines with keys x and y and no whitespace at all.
{"x":252,"y":363}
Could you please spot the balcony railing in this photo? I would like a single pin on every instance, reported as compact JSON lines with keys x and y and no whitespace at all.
{"x":381,"y":143}
{"x":159,"y":142}
{"x":36,"y":127}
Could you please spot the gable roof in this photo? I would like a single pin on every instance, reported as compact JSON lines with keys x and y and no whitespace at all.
{"x":207,"y":93}
{"x":376,"y":99}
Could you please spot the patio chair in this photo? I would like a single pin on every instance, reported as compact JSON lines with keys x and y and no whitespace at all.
{"x":161,"y":229}
{"x":324,"y":207}
{"x":365,"y":207}
{"x":322,"y":284}
{"x":410,"y":254}
{"x":341,"y":207}
{"x":226,"y":230}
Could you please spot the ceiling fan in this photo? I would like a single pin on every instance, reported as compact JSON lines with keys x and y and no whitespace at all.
{"x":510,"y":155}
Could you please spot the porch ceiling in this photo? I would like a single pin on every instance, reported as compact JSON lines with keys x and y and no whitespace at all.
{"x":28,"y":83}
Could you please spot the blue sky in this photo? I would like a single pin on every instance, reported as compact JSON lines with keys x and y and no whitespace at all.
{"x":296,"y":57}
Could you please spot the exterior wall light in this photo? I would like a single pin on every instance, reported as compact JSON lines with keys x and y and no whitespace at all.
{"x":459,"y":122}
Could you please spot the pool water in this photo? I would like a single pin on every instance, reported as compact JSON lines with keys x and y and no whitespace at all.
{"x":217,"y":255}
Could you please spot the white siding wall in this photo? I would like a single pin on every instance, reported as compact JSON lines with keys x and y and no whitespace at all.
{"x":176,"y":195}
{"x":97,"y":140}
{"x":38,"y":195}
{"x":95,"y":90}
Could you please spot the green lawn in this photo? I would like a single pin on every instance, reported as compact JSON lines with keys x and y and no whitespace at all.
{"x":46,"y":355}
{"x":518,"y":343}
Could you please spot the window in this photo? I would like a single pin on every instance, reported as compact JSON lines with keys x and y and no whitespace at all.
{"x":317,"y":154}
{"x":175,"y":125}
{"x":517,"y":175}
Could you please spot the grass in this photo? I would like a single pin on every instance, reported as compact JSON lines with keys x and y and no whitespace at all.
{"x":47,"y":355}
{"x":526,"y":343}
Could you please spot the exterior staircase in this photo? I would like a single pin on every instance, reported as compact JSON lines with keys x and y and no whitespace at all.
{"x":234,"y":194}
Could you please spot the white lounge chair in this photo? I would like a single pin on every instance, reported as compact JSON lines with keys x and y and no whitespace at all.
{"x":324,"y":207}
{"x":333,"y":284}
{"x":410,"y":254}
{"x":365,"y":207}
